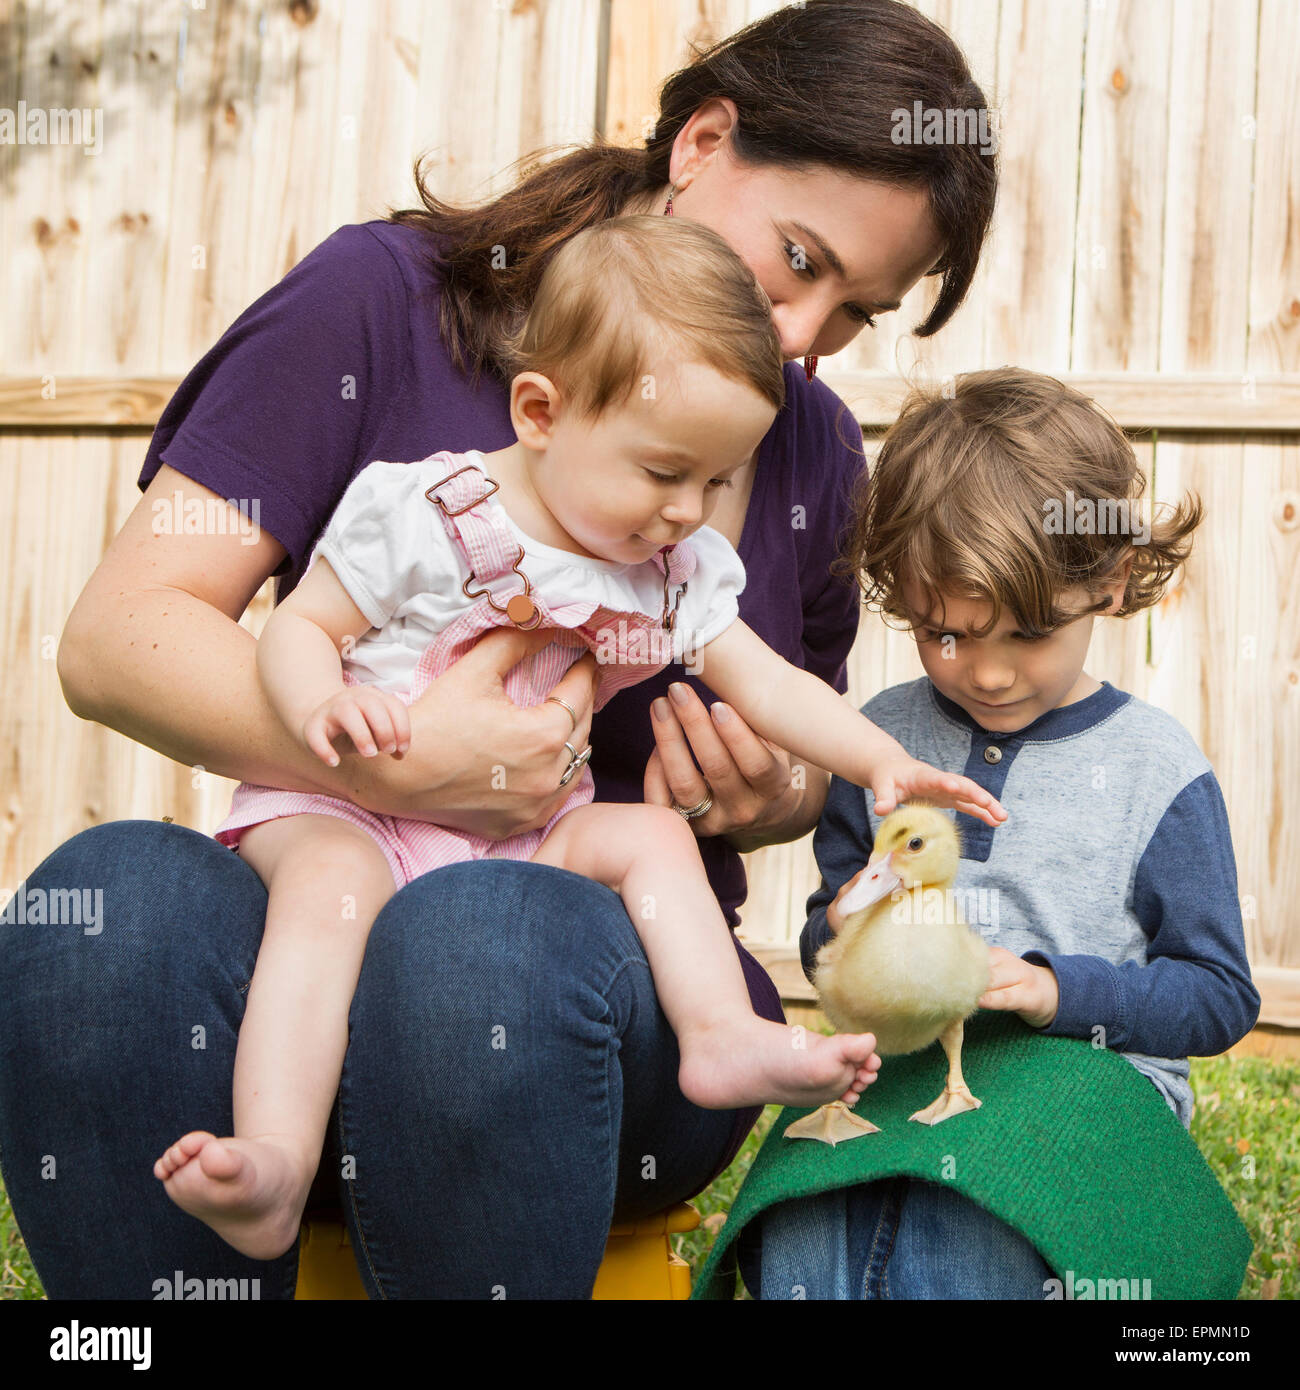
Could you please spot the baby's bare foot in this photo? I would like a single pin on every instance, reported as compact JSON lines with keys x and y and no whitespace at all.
{"x":250,"y":1191}
{"x":757,"y":1062}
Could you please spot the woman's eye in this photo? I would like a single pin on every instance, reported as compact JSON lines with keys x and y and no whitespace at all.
{"x":794,"y":253}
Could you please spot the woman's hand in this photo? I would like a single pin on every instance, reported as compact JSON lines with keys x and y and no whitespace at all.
{"x":756,"y":797}
{"x":477,"y":761}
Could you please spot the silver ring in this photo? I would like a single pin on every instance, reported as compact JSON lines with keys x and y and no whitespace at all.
{"x":576,"y":760}
{"x":555,"y":699}
{"x":700,"y":807}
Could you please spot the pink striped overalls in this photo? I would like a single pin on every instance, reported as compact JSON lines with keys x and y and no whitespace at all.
{"x":629,"y":647}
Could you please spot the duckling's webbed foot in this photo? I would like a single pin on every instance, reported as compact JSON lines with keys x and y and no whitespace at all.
{"x":956,"y":1096}
{"x":950,"y":1103}
{"x":832,"y":1124}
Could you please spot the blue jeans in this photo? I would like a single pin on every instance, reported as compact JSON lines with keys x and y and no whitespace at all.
{"x":510,"y":1085}
{"x":900,"y":1238}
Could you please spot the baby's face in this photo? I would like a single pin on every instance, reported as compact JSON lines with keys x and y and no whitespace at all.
{"x":649,"y":474}
{"x":1006,"y":680}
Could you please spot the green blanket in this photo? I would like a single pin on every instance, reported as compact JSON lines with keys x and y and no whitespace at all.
{"x":1073,"y":1147}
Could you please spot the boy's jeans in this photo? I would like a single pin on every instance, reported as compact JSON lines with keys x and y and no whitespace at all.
{"x":900,"y":1238}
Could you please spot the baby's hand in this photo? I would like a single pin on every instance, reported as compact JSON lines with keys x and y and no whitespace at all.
{"x":368,"y":715}
{"x":897,"y":777}
{"x":1016,"y":986}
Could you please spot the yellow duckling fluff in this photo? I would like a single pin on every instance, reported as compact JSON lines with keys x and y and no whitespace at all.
{"x":904,"y":965}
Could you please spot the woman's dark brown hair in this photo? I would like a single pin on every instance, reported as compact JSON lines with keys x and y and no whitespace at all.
{"x":814,"y":85}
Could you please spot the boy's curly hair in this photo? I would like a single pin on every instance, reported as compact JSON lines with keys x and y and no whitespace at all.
{"x":1011,"y":489}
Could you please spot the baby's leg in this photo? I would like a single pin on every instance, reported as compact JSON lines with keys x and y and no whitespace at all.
{"x":730,"y":1056}
{"x":327,"y":881}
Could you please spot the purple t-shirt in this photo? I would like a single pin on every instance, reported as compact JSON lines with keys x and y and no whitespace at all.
{"x":342,"y":363}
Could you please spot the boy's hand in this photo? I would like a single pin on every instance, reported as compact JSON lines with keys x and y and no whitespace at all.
{"x":834,"y":917}
{"x":897,"y":777}
{"x":1019,"y":987}
{"x":368,"y":715}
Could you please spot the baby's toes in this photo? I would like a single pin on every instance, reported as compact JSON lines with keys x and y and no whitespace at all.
{"x":857,"y":1048}
{"x":189,"y":1144}
{"x":173,"y":1159}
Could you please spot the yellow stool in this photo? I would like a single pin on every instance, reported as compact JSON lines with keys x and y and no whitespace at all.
{"x":639,"y":1260}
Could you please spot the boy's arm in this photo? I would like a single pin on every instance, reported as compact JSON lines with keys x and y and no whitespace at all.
{"x":1194,"y":997}
{"x":842,"y":845}
{"x":298,"y":652}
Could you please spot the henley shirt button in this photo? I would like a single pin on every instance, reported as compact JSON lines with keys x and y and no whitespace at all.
{"x":992,"y":754}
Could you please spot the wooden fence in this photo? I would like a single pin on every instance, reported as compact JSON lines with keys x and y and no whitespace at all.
{"x":1147,"y":246}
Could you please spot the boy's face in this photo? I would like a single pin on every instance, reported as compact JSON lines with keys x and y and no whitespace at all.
{"x":1003,"y":681}
{"x":648,"y":474}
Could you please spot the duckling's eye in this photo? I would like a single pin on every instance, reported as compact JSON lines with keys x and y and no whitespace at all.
{"x":915,"y":843}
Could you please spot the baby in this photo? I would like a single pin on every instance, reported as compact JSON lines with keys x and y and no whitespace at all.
{"x":999,"y":522}
{"x":591,"y":524}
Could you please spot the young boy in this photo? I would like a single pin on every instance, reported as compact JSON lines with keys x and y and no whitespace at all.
{"x":995,"y":526}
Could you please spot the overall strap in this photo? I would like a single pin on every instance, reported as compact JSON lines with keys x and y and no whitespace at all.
{"x":482,"y":532}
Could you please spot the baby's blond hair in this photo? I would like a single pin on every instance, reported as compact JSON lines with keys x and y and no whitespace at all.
{"x":625,"y":291}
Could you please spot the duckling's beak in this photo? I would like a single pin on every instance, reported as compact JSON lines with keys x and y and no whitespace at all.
{"x":878,"y":882}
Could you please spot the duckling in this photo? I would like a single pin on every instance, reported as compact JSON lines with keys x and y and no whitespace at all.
{"x":908,"y":971}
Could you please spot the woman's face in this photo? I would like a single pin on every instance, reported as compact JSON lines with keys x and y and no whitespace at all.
{"x":829,"y":249}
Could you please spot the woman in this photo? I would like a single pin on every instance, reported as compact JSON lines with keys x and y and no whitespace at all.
{"x":510,"y":1084}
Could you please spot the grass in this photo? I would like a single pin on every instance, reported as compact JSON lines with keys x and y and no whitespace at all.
{"x":17,"y":1277}
{"x":1247,"y":1125}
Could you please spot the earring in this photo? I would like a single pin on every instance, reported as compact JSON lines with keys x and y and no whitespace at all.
{"x":809,"y":368}
{"x":668,"y":211}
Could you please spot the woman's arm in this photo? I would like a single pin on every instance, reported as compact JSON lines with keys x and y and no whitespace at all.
{"x":153,"y":649}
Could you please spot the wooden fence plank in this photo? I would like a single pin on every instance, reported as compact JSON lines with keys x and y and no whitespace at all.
{"x":1028,"y":317}
{"x":1195,"y":403}
{"x":1266,"y":593}
{"x":1117,"y":252}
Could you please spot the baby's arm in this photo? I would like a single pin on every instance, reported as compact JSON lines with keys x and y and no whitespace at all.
{"x":794,"y":709}
{"x":300,"y":668}
{"x":1194,"y":996}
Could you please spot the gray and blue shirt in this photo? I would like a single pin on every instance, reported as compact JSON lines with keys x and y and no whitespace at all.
{"x":1114,"y":867}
